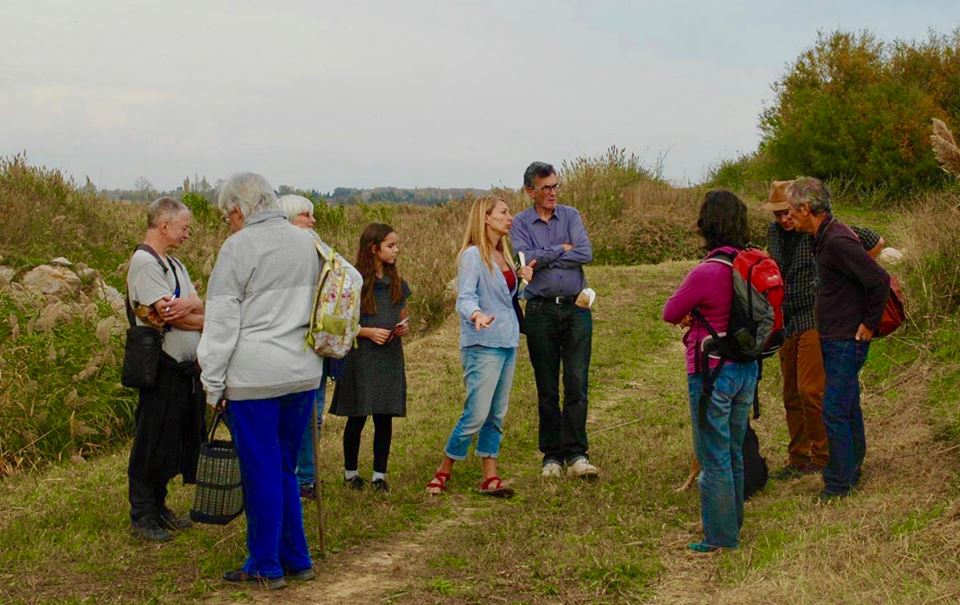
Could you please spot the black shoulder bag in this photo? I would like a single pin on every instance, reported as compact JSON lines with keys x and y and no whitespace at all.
{"x":141,"y":353}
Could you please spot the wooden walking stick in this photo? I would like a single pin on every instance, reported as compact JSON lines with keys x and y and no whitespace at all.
{"x":317,"y":484}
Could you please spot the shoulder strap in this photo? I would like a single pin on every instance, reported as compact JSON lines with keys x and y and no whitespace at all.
{"x":149,"y":250}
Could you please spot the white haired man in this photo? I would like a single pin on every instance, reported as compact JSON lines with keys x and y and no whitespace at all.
{"x":169,"y":418}
{"x":256,"y":365}
{"x":801,"y":361}
{"x":852,"y":290}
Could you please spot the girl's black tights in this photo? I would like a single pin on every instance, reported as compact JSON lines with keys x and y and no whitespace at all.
{"x":382,"y":434}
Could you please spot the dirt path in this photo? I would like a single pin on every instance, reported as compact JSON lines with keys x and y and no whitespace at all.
{"x":372,"y":573}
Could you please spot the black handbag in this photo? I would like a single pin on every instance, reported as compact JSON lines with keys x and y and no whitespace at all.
{"x":141,"y":356}
{"x":141,"y":353}
{"x":218,"y":498}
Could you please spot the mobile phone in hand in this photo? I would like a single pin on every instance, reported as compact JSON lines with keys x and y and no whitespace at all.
{"x":400,"y":324}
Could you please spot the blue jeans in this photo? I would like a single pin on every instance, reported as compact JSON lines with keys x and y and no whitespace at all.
{"x":842,"y":360}
{"x":560,"y":334}
{"x":718,"y":442}
{"x":306,"y":475}
{"x":266,"y":435}
{"x":488,"y":376}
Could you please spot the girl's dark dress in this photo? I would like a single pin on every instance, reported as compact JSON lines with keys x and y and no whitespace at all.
{"x":374,"y":380}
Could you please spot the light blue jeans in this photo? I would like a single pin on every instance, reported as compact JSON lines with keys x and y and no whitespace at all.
{"x":488,"y":376}
{"x":718,"y":441}
{"x":306,"y":473}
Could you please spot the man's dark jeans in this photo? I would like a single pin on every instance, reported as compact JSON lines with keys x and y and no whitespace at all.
{"x":842,"y":360}
{"x":560,"y":333}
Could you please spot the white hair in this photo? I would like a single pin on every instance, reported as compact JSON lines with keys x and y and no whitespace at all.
{"x":295,"y":205}
{"x":248,"y":192}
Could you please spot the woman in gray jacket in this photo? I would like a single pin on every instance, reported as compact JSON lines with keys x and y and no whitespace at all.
{"x":487,"y":281}
{"x":255,"y":363}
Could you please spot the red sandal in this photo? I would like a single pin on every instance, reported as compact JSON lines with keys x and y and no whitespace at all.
{"x":439,"y":483}
{"x":500,"y":491}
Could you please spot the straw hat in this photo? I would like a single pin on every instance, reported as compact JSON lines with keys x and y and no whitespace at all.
{"x":778,"y":198}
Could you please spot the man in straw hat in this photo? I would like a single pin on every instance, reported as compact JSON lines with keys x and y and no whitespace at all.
{"x":801,"y":360}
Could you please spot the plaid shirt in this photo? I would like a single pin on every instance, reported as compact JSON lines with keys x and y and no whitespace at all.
{"x":793,"y":251}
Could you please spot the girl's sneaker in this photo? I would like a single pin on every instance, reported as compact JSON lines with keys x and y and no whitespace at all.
{"x":380,"y":485}
{"x":355,"y":482}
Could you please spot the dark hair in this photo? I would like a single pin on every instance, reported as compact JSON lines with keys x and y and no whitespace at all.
{"x":372,"y":236}
{"x":723,"y":220}
{"x":536,"y":170}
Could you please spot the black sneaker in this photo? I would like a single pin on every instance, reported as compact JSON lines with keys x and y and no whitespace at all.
{"x":380,"y":485}
{"x":303,"y":575}
{"x":308,"y":491}
{"x":150,"y":531}
{"x":169,"y":520}
{"x":829,"y":496}
{"x":355,"y":482}
{"x":238,"y":575}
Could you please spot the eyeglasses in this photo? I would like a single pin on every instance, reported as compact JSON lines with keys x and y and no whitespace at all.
{"x":555,"y":187}
{"x":780,"y":213}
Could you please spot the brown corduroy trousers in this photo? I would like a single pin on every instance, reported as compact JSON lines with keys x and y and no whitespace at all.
{"x":801,"y":363}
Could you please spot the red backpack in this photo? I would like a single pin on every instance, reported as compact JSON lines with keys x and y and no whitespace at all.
{"x":755,"y":329}
{"x":893,"y":311}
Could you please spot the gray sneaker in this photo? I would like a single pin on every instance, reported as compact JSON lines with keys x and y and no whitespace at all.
{"x":582,"y":469}
{"x":551,"y":469}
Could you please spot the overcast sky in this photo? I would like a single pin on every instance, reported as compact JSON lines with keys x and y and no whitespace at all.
{"x":444,"y":93}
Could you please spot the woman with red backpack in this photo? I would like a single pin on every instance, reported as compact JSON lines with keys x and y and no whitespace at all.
{"x":720,"y":411}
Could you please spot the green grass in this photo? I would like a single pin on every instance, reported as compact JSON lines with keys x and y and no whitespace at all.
{"x":620,"y":539}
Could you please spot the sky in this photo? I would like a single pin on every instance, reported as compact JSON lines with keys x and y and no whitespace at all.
{"x":319,"y":94}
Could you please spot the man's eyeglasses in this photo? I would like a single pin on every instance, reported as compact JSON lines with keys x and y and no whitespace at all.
{"x":555,"y":187}
{"x":780,"y":213}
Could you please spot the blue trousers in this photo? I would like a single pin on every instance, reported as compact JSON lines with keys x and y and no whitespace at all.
{"x":842,"y":361}
{"x":718,"y":442}
{"x":306,"y":472}
{"x":267,"y":434}
{"x":488,"y":375}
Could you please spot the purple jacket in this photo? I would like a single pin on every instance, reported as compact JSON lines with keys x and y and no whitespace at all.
{"x":852,"y":287}
{"x":707,"y":287}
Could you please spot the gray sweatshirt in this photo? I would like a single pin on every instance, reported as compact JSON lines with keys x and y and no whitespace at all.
{"x":259,"y":301}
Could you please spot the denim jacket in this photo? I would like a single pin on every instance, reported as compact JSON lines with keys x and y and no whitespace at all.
{"x":481,"y":288}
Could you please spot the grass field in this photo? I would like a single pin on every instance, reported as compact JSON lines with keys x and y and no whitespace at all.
{"x":64,"y":534}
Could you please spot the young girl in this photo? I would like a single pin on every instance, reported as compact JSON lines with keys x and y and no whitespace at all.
{"x":374,"y":382}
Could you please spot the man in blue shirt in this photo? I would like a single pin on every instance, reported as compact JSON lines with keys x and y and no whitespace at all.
{"x":558,"y":331}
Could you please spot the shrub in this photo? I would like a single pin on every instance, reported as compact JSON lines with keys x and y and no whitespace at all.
{"x":856,"y":109}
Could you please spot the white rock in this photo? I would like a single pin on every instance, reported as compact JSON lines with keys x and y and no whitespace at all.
{"x":51,"y":280}
{"x":6,"y":275}
{"x":62,"y":261}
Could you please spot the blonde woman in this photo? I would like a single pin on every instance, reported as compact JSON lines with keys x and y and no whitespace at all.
{"x":487,"y":281}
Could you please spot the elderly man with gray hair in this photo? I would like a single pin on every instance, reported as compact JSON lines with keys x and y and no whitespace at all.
{"x":852,"y":290}
{"x":169,"y":417}
{"x":256,"y":365}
